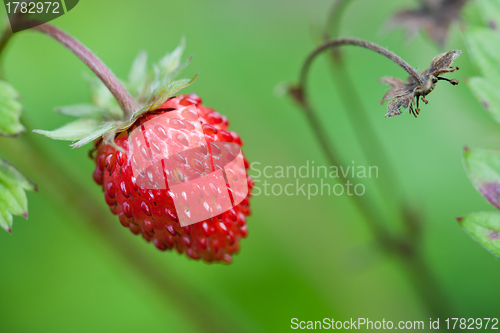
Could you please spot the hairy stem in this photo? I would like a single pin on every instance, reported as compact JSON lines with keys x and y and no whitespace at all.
{"x":126,"y":101}
{"x":331,"y":44}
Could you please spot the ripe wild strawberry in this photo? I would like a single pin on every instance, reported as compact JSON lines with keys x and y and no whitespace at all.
{"x":133,"y":157}
{"x":151,"y":212}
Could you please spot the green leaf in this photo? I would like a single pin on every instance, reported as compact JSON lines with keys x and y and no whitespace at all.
{"x":73,"y":131}
{"x":483,"y":169}
{"x":158,"y":85}
{"x":486,"y":90}
{"x":13,"y":201}
{"x":484,"y":228}
{"x":484,"y":47}
{"x":483,"y":166}
{"x":10,"y":111}
{"x":165,"y":71}
{"x":138,"y":76}
{"x":483,"y":44}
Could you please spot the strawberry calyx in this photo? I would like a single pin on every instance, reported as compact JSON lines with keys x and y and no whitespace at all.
{"x":104,"y":118}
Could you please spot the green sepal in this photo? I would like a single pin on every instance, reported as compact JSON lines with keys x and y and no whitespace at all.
{"x":483,"y":169}
{"x":165,"y":93}
{"x":100,"y":131}
{"x":137,"y":78}
{"x":73,"y":131}
{"x":104,"y":99}
{"x":10,"y":111}
{"x":105,"y":118}
{"x":13,"y":201}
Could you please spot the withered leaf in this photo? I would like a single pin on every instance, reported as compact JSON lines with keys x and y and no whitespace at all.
{"x":406,"y":93}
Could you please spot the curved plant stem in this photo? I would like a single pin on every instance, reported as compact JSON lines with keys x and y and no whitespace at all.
{"x":406,"y":248}
{"x":330,"y":44}
{"x":123,"y":97}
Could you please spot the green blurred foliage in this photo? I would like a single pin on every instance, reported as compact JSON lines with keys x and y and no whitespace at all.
{"x":305,"y":259}
{"x":482,"y":165}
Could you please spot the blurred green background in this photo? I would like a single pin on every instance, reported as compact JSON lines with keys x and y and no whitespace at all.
{"x":306,"y":259}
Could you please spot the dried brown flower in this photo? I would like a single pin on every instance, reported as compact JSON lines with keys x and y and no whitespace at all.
{"x":405,"y":94}
{"x":433,"y":16}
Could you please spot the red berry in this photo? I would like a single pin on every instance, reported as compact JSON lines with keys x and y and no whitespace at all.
{"x":151,"y":212}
